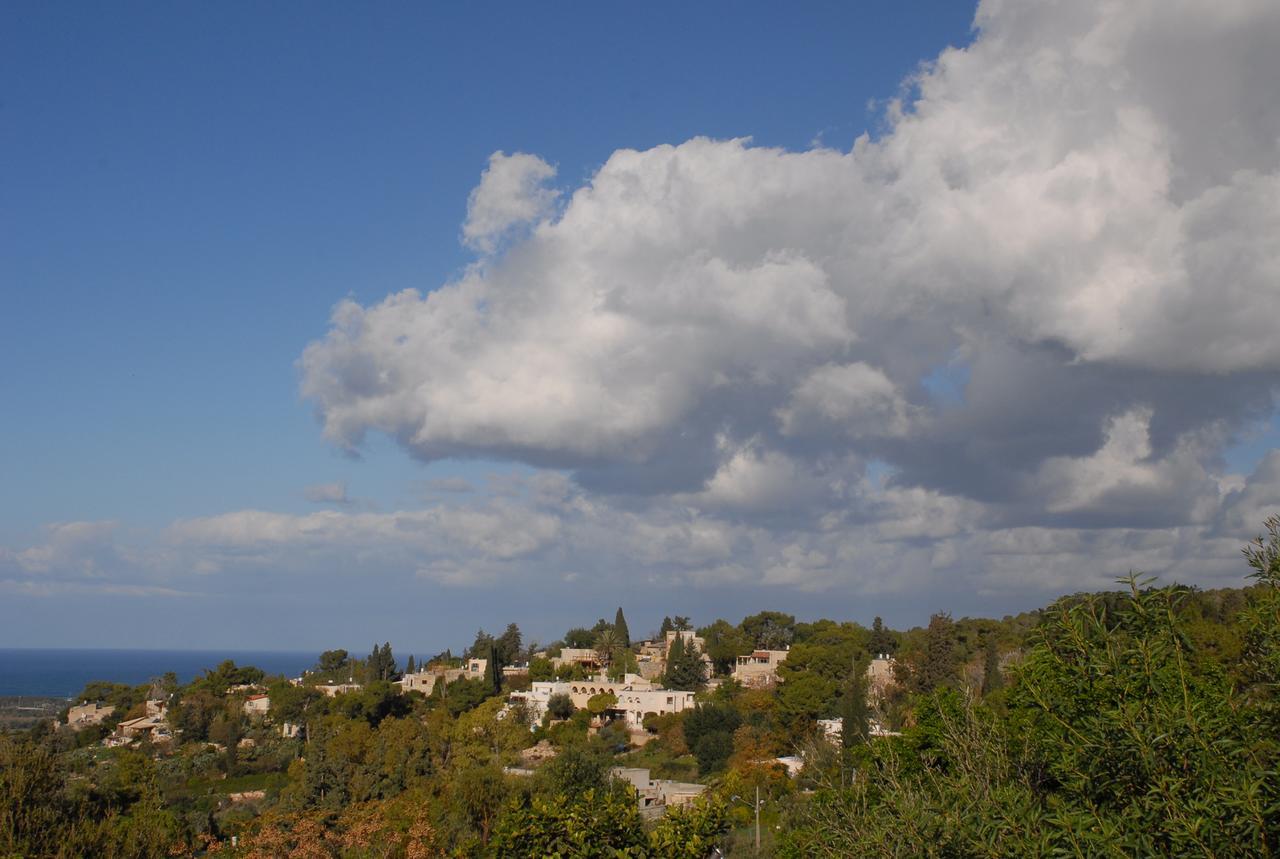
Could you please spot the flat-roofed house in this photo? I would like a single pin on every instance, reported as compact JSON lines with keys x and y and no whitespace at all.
{"x":420,"y":681}
{"x":759,"y":668}
{"x":584,"y":656}
{"x":655,"y":796}
{"x":634,"y":700}
{"x":84,"y":715}
{"x":257,"y":705}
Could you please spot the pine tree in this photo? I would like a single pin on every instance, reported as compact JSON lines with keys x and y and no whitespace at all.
{"x":992,"y":679}
{"x":881,"y":639}
{"x":854,"y":715}
{"x":684,"y":666}
{"x":666,"y":627}
{"x":509,"y":644}
{"x":481,"y":645}
{"x":620,"y":629}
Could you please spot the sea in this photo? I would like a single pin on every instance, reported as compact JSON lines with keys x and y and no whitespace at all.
{"x":62,"y":673}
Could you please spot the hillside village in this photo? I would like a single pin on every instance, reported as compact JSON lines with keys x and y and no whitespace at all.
{"x":626,"y":687}
{"x":637,"y":702}
{"x":723,"y":739}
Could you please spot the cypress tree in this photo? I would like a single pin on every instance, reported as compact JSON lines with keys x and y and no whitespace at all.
{"x":666,"y":627}
{"x":409,"y":667}
{"x":492,"y":672}
{"x":675,"y":655}
{"x":854,"y":716}
{"x":388,"y":661}
{"x":940,"y":666}
{"x":620,"y":629}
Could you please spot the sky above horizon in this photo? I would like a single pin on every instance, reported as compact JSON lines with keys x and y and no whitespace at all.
{"x":391,"y":323}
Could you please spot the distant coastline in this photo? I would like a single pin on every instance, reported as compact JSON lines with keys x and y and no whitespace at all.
{"x":63,"y":672}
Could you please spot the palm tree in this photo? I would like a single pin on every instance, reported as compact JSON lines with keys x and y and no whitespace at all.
{"x":606,"y":643}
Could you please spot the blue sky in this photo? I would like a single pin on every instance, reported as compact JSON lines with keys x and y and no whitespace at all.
{"x":188,"y":192}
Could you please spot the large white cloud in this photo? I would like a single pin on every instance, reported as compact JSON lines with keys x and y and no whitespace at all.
{"x":1062,"y":191}
{"x":732,"y":349}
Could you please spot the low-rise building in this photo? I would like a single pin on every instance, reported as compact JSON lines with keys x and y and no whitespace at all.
{"x":832,"y":729}
{"x":154,"y":727}
{"x":880,"y":676}
{"x":759,"y":668}
{"x":257,"y":705}
{"x":84,"y":715}
{"x":635,"y":697}
{"x":657,"y":795}
{"x":584,"y":656}
{"x":333,"y":690}
{"x":420,"y":681}
{"x":476,"y":667}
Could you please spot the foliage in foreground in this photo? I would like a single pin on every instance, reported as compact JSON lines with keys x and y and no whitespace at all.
{"x":1116,"y":741}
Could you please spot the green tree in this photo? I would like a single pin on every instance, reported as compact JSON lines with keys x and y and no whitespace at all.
{"x":578,"y":768}
{"x":579,"y":638}
{"x":708,"y":731}
{"x":769,"y":630}
{"x":802,"y":700}
{"x":725,"y":643}
{"x":882,"y":640}
{"x":333,"y":660}
{"x":684,"y":666}
{"x":390,"y":671}
{"x":667,"y":626}
{"x":493,"y":672}
{"x":32,"y":798}
{"x":560,"y":706}
{"x":939,"y":665}
{"x":1116,"y":742}
{"x":620,"y":629}
{"x":409,"y":667}
{"x":692,"y":832}
{"x":597,"y":823}
{"x":855,"y":717}
{"x":480,"y":647}
{"x":509,"y":644}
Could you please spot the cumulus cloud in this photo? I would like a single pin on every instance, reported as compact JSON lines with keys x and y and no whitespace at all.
{"x":511,"y":193}
{"x":724,"y":346}
{"x":1070,"y":211}
{"x":1047,"y":198}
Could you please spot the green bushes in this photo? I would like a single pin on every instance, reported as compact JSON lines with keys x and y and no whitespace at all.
{"x":1116,"y":742}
